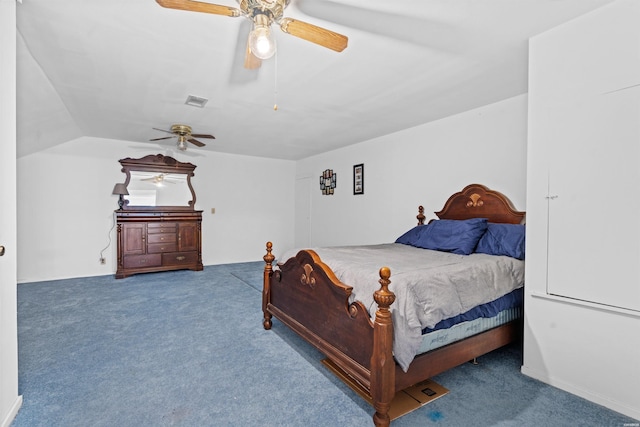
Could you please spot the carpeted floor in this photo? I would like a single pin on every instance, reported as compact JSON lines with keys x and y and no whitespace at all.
{"x":188,"y":349}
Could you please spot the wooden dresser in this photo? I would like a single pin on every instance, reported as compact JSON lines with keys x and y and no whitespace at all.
{"x":158,"y":241}
{"x":158,"y":228}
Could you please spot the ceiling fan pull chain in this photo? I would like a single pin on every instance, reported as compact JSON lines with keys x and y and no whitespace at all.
{"x":275,"y":83}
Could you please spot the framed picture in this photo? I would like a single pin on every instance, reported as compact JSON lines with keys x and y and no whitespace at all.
{"x":328,"y":182}
{"x":358,"y":179}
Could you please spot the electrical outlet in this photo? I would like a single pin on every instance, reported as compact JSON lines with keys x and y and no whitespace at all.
{"x":102,"y":260}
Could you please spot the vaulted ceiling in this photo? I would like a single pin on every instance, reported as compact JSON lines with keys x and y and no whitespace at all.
{"x":116,"y":69}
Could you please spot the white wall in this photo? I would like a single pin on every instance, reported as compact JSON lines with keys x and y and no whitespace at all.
{"x":423,"y":165}
{"x":589,"y":349}
{"x":65,"y":206}
{"x":10,"y":402}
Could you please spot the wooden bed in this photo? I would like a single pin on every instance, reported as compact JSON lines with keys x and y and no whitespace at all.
{"x":306,"y":295}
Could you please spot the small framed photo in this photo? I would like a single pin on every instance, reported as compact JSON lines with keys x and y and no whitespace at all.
{"x":358,"y":179}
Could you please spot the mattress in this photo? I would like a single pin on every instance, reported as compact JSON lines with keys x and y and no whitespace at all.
{"x":441,"y":337}
{"x":514,"y":298}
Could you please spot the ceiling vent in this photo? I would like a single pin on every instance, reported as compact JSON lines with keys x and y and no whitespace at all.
{"x":196,"y":101}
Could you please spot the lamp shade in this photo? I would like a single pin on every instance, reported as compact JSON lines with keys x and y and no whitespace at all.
{"x":120,"y":189}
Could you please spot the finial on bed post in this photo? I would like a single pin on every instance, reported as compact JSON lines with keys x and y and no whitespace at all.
{"x":382,"y":362}
{"x":421,"y":216}
{"x":266,"y":286}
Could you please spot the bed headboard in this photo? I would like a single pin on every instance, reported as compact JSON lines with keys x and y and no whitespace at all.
{"x":478,"y":201}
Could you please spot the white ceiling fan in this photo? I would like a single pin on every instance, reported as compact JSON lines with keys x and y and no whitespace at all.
{"x":263,"y":13}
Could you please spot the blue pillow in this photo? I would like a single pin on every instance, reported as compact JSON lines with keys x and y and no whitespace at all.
{"x":503,"y":239}
{"x":411,"y":236}
{"x":456,"y":236}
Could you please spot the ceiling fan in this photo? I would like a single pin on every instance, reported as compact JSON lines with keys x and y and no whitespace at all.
{"x":261,"y":42}
{"x":183,"y":133}
{"x":159,"y":180}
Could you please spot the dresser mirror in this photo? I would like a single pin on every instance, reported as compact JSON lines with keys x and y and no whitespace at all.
{"x":158,"y":182}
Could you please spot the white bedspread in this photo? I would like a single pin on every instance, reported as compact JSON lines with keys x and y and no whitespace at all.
{"x":429,"y":285}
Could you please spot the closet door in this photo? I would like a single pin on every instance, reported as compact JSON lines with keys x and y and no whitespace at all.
{"x":594,"y":201}
{"x":588,"y":121}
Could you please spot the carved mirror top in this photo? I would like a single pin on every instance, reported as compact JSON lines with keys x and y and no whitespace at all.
{"x":158,"y":182}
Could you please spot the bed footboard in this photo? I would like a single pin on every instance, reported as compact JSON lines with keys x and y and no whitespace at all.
{"x":305,"y":294}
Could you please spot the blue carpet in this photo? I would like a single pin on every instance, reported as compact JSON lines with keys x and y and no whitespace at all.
{"x":188,"y":349}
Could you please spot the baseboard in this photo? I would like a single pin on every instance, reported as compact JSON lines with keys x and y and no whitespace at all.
{"x":8,"y":419}
{"x":585,"y":394}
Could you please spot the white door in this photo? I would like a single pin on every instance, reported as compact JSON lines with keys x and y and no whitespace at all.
{"x":594,"y":232}
{"x":9,"y":400}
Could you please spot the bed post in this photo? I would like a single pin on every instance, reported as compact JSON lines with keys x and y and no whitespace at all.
{"x":420,"y":215}
{"x":266,"y":287}
{"x":383,"y":367}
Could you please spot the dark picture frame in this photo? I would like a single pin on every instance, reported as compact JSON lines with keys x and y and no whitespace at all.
{"x":358,"y":179}
{"x":328,"y":182}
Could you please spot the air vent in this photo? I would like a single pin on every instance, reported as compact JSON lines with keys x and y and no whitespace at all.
{"x":196,"y":101}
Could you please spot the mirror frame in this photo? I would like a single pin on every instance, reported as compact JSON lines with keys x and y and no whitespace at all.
{"x":158,"y":163}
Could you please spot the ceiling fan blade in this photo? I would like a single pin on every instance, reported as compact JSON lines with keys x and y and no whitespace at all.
{"x":196,"y":142}
{"x":314,"y":34}
{"x":239,"y":73}
{"x":162,"y":130}
{"x":197,"y":6}
{"x":164,"y":137}
{"x":251,"y":62}
{"x":202,"y":135}
{"x":422,"y":31}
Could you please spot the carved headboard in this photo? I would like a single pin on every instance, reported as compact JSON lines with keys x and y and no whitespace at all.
{"x":478,"y":201}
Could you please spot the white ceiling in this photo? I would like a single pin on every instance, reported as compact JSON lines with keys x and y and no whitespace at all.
{"x":117,"y":68}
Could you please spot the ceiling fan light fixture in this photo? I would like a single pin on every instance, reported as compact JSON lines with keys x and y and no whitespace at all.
{"x":182,"y":143}
{"x":262,"y":41}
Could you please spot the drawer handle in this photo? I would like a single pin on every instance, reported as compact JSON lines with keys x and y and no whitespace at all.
{"x":142,"y":261}
{"x":181,"y":258}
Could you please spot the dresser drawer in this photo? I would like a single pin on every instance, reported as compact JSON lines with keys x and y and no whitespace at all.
{"x":157,"y":248}
{"x":161,"y":238}
{"x":179,"y":258}
{"x":142,"y":261}
{"x":161,"y":227}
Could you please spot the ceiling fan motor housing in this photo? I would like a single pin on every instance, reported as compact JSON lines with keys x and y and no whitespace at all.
{"x":181,"y":129}
{"x":273,"y":9}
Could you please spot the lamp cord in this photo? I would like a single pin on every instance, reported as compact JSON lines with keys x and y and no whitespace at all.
{"x":113,"y":224}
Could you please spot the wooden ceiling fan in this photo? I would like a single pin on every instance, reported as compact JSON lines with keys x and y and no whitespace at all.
{"x":184,"y":135}
{"x":261,"y":44}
